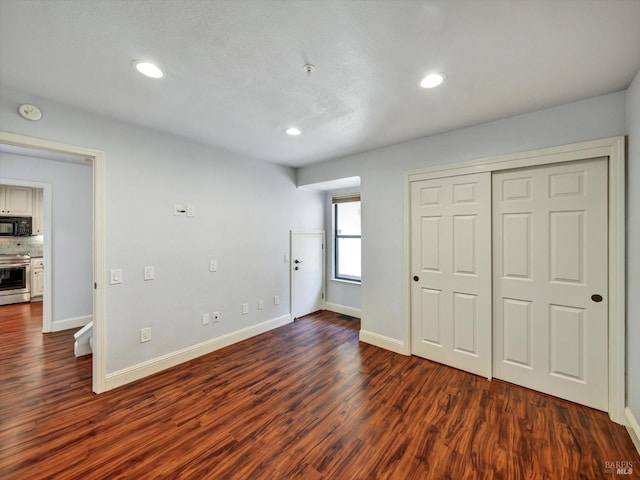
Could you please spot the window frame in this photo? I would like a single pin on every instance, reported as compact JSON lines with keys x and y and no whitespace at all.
{"x":336,"y":201}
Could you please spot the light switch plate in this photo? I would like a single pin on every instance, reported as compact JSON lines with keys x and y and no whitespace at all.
{"x":178,"y":209}
{"x":149,"y":273}
{"x":276,"y":300}
{"x":191,"y":210}
{"x":260,"y":304}
{"x":245,"y":308}
{"x":206,"y":318}
{"x":213,"y":265}
{"x":145,"y":335}
{"x":116,"y":276}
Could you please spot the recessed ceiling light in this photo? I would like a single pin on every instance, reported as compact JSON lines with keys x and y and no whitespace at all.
{"x":432,"y":80}
{"x":148,"y":69}
{"x":293,"y":131}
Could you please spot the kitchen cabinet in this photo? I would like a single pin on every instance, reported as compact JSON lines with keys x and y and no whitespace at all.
{"x":37,"y":276}
{"x":16,"y":201}
{"x":37,"y":223}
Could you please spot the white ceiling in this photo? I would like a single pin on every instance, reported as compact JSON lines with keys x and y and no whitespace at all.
{"x":234,"y":69}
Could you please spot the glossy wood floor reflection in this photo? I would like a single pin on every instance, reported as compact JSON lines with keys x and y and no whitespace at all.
{"x":304,"y":401}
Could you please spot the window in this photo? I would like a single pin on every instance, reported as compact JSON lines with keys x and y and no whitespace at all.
{"x":346,"y":237}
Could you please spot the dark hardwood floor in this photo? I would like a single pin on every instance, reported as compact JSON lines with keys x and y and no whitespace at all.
{"x":304,"y":401}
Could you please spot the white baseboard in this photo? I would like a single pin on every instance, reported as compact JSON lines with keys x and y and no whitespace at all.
{"x":155,"y":365}
{"x":69,"y":323}
{"x":343,"y":309}
{"x":81,"y":350}
{"x":633,"y":428}
{"x":381,"y":341}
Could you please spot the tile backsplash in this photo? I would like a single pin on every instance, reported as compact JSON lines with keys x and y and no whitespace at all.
{"x":20,"y":245}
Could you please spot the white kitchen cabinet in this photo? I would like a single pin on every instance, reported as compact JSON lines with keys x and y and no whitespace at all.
{"x":37,"y":276}
{"x":16,"y":201}
{"x":37,"y":224}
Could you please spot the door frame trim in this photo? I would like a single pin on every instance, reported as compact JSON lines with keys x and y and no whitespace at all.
{"x":614,"y":149}
{"x":98,"y":159}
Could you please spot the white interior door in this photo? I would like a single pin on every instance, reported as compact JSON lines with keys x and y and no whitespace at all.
{"x":550,"y":258}
{"x":307,"y":272}
{"x":451,"y":270}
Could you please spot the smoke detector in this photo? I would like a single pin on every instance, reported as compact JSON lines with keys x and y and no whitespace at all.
{"x":30,"y":112}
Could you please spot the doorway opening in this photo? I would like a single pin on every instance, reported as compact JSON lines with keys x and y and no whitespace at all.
{"x":40,"y":243}
{"x":40,"y":148}
{"x":343,"y":276}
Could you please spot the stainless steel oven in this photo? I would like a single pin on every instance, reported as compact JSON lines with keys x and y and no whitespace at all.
{"x":15,"y":279}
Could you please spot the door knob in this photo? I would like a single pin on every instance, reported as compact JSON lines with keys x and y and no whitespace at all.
{"x":596,"y":298}
{"x":416,"y":278}
{"x":297,"y":261}
{"x":297,"y":268}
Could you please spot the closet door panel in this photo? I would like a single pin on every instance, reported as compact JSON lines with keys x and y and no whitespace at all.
{"x":451,"y":271}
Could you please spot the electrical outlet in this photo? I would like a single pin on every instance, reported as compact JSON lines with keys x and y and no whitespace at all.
{"x":245,"y":308}
{"x":205,"y":318}
{"x":276,"y":300}
{"x":145,"y":335}
{"x":216,"y":317}
{"x":191,"y":210}
{"x":149,"y":273}
{"x":260,"y":304}
{"x":213,"y":265}
{"x":116,"y":276}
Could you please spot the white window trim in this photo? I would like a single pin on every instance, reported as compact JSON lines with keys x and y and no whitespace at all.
{"x":337,"y":199}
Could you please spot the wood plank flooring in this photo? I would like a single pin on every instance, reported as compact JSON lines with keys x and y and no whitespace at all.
{"x":304,"y":401}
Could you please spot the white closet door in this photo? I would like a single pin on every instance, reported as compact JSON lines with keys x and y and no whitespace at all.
{"x":550,"y":257}
{"x":451,"y":270}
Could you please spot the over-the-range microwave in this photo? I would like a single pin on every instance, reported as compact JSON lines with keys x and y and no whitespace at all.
{"x":15,"y":226}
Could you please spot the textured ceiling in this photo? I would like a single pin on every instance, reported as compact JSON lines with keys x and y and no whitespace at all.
{"x":235,"y":74}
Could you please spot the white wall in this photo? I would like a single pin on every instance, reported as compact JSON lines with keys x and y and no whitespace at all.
{"x":382,"y":174}
{"x":633,"y":249}
{"x":339,"y":292}
{"x":244,"y":211}
{"x":72,"y":229}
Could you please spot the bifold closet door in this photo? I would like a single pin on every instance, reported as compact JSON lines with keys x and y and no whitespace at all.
{"x":451,"y":271}
{"x":550,"y":280}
